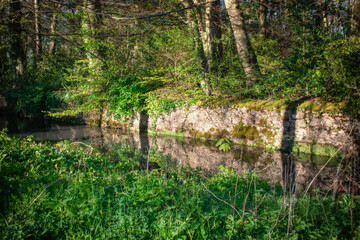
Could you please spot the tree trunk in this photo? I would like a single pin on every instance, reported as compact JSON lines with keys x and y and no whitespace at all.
{"x":244,"y":48}
{"x":95,"y":19}
{"x":3,"y":50}
{"x":355,"y":18}
{"x":208,"y":30}
{"x":52,"y":31}
{"x":272,"y":18}
{"x":262,"y":18}
{"x":96,"y":54}
{"x":95,"y":16}
{"x":213,"y":48}
{"x":325,"y":16}
{"x":210,"y":33}
{"x":38,"y":43}
{"x":17,"y":51}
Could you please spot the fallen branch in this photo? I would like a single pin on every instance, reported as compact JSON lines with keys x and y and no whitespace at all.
{"x":88,"y":146}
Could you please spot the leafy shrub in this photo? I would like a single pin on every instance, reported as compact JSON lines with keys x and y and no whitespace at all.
{"x":33,"y":99}
{"x":127,"y":95}
{"x":340,"y":72}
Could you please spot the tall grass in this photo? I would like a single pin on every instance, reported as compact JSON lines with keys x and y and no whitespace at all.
{"x":63,"y":191}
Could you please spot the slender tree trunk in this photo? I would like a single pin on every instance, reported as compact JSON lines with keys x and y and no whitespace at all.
{"x":4,"y":50}
{"x":210,"y":35}
{"x":325,"y":14}
{"x":96,"y":53}
{"x":208,"y":30}
{"x":244,"y":48}
{"x":355,"y":18}
{"x":95,"y":16}
{"x":95,"y":19}
{"x":17,"y":51}
{"x":347,"y":25}
{"x":38,"y":42}
{"x":272,"y":18}
{"x":213,"y":48}
{"x":52,"y":31}
{"x":262,"y":18}
{"x":284,"y":9}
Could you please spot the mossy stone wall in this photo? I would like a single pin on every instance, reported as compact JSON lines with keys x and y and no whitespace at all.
{"x":321,"y":132}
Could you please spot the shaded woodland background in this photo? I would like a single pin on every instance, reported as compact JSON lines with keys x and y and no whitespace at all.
{"x":155,"y":55}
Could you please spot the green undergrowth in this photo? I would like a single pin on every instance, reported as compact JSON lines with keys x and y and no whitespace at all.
{"x":66,"y":191}
{"x":315,"y":105}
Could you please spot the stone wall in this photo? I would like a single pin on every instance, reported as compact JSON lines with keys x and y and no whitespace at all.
{"x":304,"y":131}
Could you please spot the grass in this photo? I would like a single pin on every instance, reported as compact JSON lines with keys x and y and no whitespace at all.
{"x":64,"y":191}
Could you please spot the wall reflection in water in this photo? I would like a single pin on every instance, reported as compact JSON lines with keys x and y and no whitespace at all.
{"x":205,"y":156}
{"x":196,"y":154}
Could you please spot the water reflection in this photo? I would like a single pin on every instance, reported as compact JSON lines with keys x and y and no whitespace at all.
{"x":287,"y":145}
{"x":196,"y":154}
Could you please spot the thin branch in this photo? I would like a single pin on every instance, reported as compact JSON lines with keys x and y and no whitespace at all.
{"x":147,"y":160}
{"x":307,"y":189}
{"x":110,"y":14}
{"x":246,"y":198}
{"x":276,"y":222}
{"x":82,"y":144}
{"x":237,"y":212}
{"x":235,"y":194}
{"x":41,"y":194}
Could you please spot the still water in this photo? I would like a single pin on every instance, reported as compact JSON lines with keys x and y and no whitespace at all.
{"x":274,"y":166}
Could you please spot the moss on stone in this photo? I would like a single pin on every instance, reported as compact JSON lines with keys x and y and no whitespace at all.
{"x":94,"y":122}
{"x":312,"y":105}
{"x":116,"y":124}
{"x":207,"y":135}
{"x":216,"y":102}
{"x":267,"y":133}
{"x":317,"y":159}
{"x":199,"y":135}
{"x":318,"y":106}
{"x":277,"y":105}
{"x":263,"y":122}
{"x":177,"y":134}
{"x":180,"y":130}
{"x":316,"y":149}
{"x":195,"y":134}
{"x":245,"y":131}
{"x":220,"y":133}
{"x":192,"y":133}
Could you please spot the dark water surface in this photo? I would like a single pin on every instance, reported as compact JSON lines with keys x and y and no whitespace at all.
{"x":277,"y":167}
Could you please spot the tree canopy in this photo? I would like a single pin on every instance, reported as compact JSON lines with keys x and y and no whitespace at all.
{"x":139,"y":55}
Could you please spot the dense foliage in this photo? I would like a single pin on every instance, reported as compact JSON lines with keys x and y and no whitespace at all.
{"x":63,"y":191}
{"x":88,"y":54}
